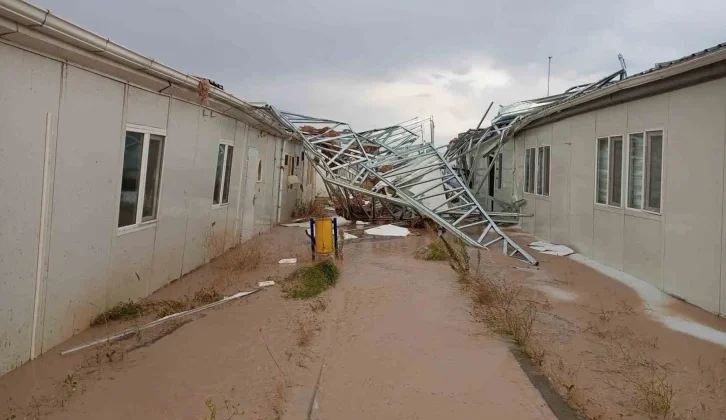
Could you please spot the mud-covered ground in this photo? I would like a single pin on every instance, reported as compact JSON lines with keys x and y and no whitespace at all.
{"x":396,"y":338}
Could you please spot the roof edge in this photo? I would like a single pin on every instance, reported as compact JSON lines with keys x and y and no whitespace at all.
{"x":627,"y":84}
{"x":31,"y":19}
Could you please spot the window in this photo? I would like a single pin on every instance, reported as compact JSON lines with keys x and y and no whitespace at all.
{"x":529,"y":165}
{"x":225,"y":154}
{"x":543,"y":170}
{"x":499,"y":171}
{"x":141,"y":176}
{"x":616,"y":171}
{"x":259,"y":170}
{"x":291,"y":166}
{"x":609,"y":182}
{"x":645,"y":170}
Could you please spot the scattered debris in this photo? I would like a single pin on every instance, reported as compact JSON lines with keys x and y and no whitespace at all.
{"x":397,"y":173}
{"x":300,"y":224}
{"x":135,"y":330}
{"x":551,"y":249}
{"x":347,"y":236}
{"x":120,"y":311}
{"x":361,"y":223}
{"x":388,"y":230}
{"x":288,"y":261}
{"x":266,"y":283}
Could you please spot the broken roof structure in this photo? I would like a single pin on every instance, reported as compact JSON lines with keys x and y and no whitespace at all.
{"x":518,"y":116}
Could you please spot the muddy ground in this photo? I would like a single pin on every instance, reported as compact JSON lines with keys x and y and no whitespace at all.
{"x":396,"y":338}
{"x":605,"y":347}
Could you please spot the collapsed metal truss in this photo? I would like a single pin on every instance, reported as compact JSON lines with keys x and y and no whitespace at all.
{"x":397,"y":171}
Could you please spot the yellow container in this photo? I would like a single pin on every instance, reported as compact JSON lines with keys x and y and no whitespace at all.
{"x":324,"y":235}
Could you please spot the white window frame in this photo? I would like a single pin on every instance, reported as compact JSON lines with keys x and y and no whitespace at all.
{"x":227,"y":144}
{"x":533,"y":170}
{"x":624,"y":161}
{"x":147,"y":132}
{"x":538,"y":169}
{"x":646,"y":171}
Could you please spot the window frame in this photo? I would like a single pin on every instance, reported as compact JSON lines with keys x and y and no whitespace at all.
{"x":646,"y":171}
{"x":147,"y":132}
{"x":531,"y":173}
{"x":227,"y":144}
{"x":538,"y":170}
{"x":611,"y":162}
{"x":624,"y":161}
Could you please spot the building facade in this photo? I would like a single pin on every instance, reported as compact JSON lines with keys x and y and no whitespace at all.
{"x":634,"y":176}
{"x":113,"y":177}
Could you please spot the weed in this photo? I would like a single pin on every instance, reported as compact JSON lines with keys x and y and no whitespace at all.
{"x":433,"y":251}
{"x":654,"y":395}
{"x":319,"y":305}
{"x":278,"y":400}
{"x":230,"y":410}
{"x":162,"y":308}
{"x":305,"y":333}
{"x":307,"y":209}
{"x":307,"y":282}
{"x":214,"y":242}
{"x":121,"y":311}
{"x":211,"y":408}
{"x":206,"y":295}
{"x":500,"y":307}
{"x":244,"y":257}
{"x":535,"y":352}
{"x":458,"y":256}
{"x":68,"y":387}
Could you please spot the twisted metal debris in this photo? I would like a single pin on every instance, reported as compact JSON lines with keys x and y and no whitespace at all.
{"x":397,"y":173}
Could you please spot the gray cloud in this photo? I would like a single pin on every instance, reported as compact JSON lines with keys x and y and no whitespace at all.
{"x":377,"y":62}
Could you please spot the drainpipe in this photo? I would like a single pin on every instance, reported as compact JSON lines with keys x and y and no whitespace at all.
{"x":279,"y":186}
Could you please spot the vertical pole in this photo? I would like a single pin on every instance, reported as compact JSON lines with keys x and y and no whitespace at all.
{"x":312,"y":237}
{"x":549,"y":66}
{"x":39,"y":273}
{"x":335,"y":235}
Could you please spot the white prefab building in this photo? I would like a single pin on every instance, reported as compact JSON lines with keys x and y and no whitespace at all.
{"x":633,"y":175}
{"x":114,"y":172}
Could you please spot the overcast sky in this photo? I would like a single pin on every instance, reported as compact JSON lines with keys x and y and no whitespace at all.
{"x":374,"y":63}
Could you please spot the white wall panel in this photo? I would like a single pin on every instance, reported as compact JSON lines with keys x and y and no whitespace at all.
{"x":147,"y":108}
{"x":130,"y":274}
{"x":642,"y":239}
{"x":582,"y":182}
{"x":239,"y":172}
{"x":176,"y":180}
{"x":560,"y":183}
{"x":200,"y":190}
{"x":693,"y":198}
{"x":85,"y":200}
{"x":29,"y":89}
{"x":608,"y":238}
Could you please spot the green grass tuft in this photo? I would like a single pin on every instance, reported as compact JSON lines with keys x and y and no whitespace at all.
{"x":307,"y":282}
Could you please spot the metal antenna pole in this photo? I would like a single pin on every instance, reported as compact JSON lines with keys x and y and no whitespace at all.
{"x":549,"y":66}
